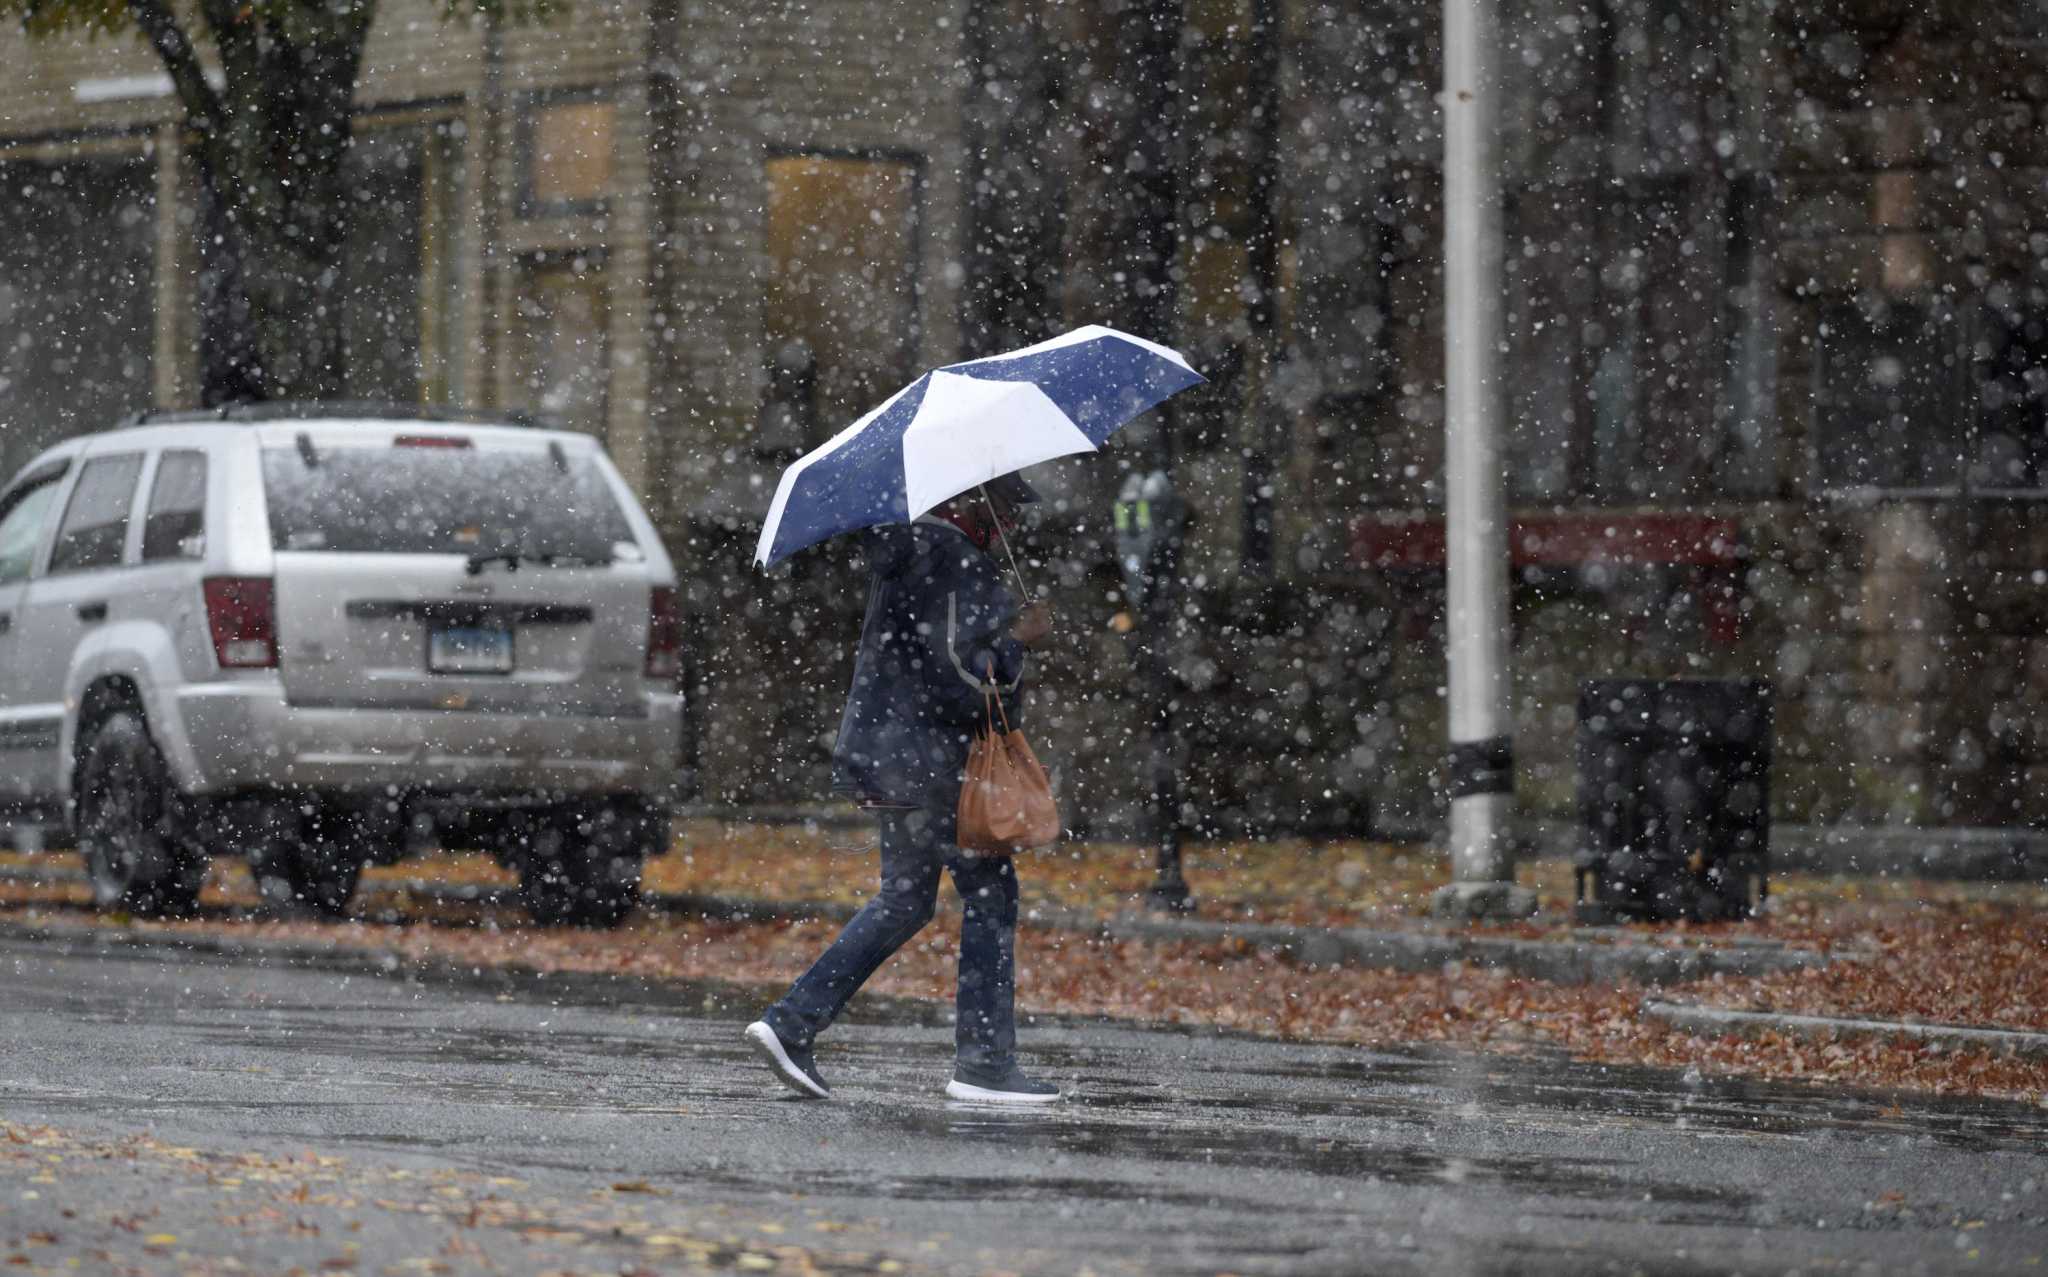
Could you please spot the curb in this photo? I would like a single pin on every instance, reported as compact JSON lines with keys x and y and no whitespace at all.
{"x":52,"y":877}
{"x":1958,"y":855}
{"x":1569,"y":962}
{"x":1940,"y":852}
{"x":748,"y":909}
{"x":714,"y":908}
{"x":694,"y":904}
{"x":1952,"y":853}
{"x":291,"y":952}
{"x":345,"y":959}
{"x":1552,"y":961}
{"x":1717,"y":1022}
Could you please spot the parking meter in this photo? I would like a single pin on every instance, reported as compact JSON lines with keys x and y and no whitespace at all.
{"x":1149,"y":516}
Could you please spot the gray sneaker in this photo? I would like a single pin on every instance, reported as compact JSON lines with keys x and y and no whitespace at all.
{"x":792,"y":1064}
{"x":998,"y":1086}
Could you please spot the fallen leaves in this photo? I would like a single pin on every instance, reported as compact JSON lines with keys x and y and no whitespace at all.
{"x":1954,"y":961}
{"x":507,"y":1219}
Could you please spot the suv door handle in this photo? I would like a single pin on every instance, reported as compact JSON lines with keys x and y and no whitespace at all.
{"x":92,"y":612}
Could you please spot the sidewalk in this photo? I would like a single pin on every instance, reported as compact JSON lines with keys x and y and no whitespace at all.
{"x":1323,"y":905}
{"x":1568,"y":955}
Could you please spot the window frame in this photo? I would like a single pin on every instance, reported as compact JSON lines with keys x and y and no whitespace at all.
{"x":591,"y":268}
{"x":526,"y":131}
{"x":1961,"y":398}
{"x":148,"y":505}
{"x":83,"y":160}
{"x":49,"y":475}
{"x":378,"y":137}
{"x":915,"y":282}
{"x":124,"y":558}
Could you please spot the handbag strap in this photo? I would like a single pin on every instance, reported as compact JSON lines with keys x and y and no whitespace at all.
{"x":991,"y":699}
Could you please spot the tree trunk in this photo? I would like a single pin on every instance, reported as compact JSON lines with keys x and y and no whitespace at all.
{"x":228,"y":360}
{"x":271,"y":145}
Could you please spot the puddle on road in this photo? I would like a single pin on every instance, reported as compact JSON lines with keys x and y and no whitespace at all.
{"x":1547,"y":1088}
{"x":1089,"y":1127}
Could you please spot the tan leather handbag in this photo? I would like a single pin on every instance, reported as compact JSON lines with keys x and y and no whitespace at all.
{"x":1006,"y":802}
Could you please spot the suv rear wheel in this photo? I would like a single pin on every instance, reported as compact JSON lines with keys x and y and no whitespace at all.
{"x":306,"y":867}
{"x":125,"y":833}
{"x":296,"y":877}
{"x":582,"y":867}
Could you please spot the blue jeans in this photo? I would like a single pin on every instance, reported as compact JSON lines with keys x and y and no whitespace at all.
{"x":915,"y":844}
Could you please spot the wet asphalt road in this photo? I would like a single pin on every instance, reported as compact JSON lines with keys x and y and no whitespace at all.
{"x":1177,"y":1152}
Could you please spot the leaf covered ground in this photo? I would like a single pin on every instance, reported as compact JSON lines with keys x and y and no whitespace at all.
{"x":1958,"y":953}
{"x":139,"y":1205}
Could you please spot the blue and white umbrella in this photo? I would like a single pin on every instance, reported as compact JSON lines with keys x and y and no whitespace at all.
{"x":964,"y":425}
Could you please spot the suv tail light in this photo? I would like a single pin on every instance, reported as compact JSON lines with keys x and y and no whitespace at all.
{"x":664,"y":633}
{"x":241,"y":612}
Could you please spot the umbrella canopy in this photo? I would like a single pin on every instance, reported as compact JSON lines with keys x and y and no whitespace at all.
{"x":965,"y":424}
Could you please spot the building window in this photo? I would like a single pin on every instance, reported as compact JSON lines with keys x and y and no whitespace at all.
{"x":2009,"y":366}
{"x":840,"y":309}
{"x":78,"y":342}
{"x":404,"y":234}
{"x":562,"y":337}
{"x":1656,"y":372}
{"x":1638,"y":370}
{"x":1889,"y":395}
{"x":1920,"y":398}
{"x":566,"y":154}
{"x":1639,"y":270}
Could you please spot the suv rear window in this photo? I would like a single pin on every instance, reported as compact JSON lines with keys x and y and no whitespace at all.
{"x":438,"y":500}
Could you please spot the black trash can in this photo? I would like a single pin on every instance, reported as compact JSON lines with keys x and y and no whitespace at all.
{"x":1674,"y":798}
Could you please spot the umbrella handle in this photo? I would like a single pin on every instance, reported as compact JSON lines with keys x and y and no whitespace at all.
{"x":1023,"y":591}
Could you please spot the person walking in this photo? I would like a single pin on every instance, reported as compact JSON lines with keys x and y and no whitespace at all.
{"x":943,"y":632}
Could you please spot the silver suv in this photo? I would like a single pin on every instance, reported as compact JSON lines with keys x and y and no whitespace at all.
{"x":322,"y":636}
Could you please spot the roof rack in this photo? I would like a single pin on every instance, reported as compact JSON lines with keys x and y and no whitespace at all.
{"x":359,"y":409}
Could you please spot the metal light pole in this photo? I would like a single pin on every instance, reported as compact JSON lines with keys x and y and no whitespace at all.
{"x":1481,"y":762}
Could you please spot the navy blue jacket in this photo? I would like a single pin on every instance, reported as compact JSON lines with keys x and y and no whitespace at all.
{"x":938,"y":622}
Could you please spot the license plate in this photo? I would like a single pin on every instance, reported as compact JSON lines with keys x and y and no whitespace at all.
{"x":469,"y":649}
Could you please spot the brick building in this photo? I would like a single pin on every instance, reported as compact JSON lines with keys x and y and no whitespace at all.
{"x":1777,"y":297}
